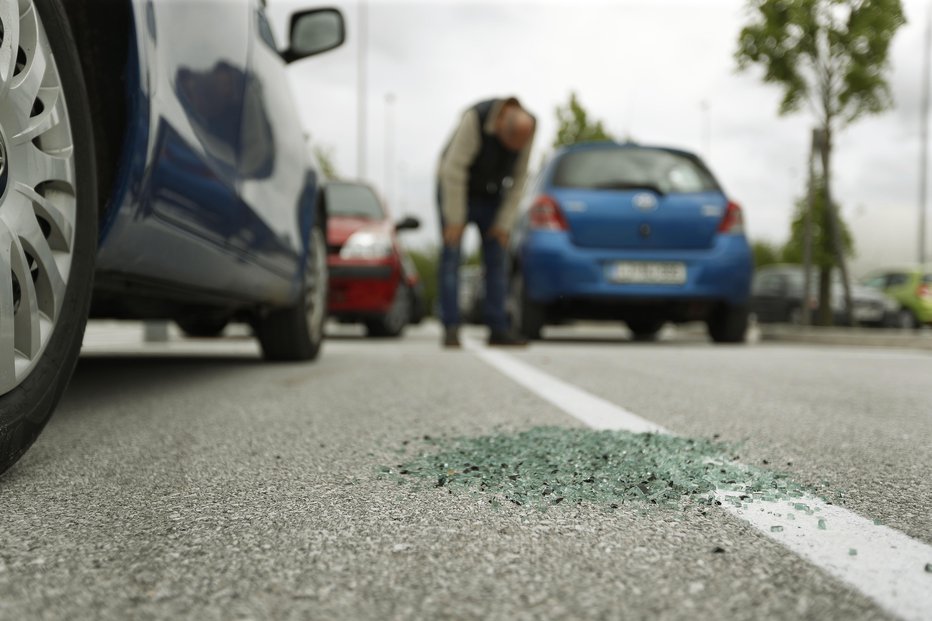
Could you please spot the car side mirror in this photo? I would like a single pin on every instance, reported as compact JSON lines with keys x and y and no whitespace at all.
{"x":410,"y":223}
{"x":315,"y":32}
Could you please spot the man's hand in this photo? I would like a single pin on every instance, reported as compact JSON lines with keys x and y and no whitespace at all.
{"x":452,"y":234}
{"x":500,"y":235}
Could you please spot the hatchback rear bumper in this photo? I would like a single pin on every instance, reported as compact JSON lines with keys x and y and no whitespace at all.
{"x":558,"y":273}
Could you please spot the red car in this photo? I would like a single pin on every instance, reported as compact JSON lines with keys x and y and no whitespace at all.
{"x":371,"y":279}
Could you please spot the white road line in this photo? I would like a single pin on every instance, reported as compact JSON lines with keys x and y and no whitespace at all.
{"x":591,"y":410}
{"x":882,"y":563}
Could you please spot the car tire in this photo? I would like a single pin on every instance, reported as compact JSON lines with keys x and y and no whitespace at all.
{"x":296,"y":333}
{"x":28,"y":400}
{"x":729,"y":324}
{"x":203,"y":326}
{"x":905,"y":319}
{"x":527,"y":317}
{"x":392,"y":324}
{"x":645,"y":331}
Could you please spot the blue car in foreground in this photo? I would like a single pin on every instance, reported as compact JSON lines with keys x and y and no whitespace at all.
{"x":152,"y":165}
{"x":630,"y":233}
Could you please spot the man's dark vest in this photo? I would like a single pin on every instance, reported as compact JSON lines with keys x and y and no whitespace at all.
{"x":494,"y":163}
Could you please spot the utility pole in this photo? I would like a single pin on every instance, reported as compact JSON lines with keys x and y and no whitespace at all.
{"x":924,"y":139}
{"x":361,"y":78}
{"x":706,"y":134}
{"x":389,"y":164}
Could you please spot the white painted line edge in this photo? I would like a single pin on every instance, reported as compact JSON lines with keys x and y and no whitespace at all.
{"x":581,"y":405}
{"x":888,"y":566}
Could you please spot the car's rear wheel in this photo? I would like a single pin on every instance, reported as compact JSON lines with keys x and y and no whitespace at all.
{"x":527,"y":317}
{"x":729,"y":324}
{"x":645,"y":330}
{"x":906,"y":320}
{"x":297,"y":332}
{"x":392,"y":324}
{"x":48,"y":216}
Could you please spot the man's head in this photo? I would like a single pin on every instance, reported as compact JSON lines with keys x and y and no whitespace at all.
{"x":515,"y":126}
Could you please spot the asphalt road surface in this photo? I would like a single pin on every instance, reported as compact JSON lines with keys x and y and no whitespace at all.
{"x":190,"y":480}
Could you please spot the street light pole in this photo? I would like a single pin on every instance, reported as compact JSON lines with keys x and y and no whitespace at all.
{"x":706,"y":129}
{"x":924,"y":139}
{"x":361,"y":78}
{"x":389,"y":135}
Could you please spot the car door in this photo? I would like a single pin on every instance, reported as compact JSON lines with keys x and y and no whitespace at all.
{"x":275,"y":180}
{"x":182,"y":207}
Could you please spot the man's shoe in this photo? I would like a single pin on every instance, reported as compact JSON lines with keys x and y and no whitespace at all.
{"x":506,"y":339}
{"x":451,"y":338}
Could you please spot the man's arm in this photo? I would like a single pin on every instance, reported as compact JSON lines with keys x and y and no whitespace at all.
{"x":508,"y":212}
{"x":454,"y":169}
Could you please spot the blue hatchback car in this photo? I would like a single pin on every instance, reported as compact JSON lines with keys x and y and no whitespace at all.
{"x":152,"y":165}
{"x":630,"y":233}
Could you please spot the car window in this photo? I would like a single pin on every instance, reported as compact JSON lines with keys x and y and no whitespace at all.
{"x":353,"y":201}
{"x":627,"y":168}
{"x":772,"y":283}
{"x":875,"y":282}
{"x":927,"y":279}
{"x":895,"y":280}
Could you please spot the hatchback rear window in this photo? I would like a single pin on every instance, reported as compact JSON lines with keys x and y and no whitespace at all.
{"x":623,"y":169}
{"x":353,"y":201}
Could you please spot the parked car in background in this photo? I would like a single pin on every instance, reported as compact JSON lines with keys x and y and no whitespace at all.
{"x":150,"y":167}
{"x":371,"y":282}
{"x":624,"y":232}
{"x":911,"y":289}
{"x":777,"y":297}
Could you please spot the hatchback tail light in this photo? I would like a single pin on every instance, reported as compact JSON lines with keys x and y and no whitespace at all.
{"x":733,"y":221}
{"x":545,"y":215}
{"x":924,"y":290}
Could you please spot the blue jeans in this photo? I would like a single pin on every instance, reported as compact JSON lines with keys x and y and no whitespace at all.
{"x":482,"y":213}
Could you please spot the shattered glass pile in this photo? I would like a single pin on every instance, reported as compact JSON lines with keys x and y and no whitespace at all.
{"x":546,"y":466}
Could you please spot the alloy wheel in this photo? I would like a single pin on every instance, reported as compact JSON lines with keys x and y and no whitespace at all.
{"x":37,"y":192}
{"x":316,"y":284}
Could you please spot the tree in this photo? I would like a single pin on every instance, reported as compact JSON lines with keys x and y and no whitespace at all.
{"x":573,"y":125}
{"x":831,"y":56}
{"x":325,"y":163}
{"x":427,"y":264}
{"x":765,"y":253}
{"x":824,"y":256}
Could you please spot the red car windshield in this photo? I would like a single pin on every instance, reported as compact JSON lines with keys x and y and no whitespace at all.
{"x":353,"y":201}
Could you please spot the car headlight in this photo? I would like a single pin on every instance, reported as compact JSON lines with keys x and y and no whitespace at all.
{"x":367,"y":245}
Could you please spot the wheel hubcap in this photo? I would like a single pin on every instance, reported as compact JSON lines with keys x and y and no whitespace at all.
{"x":37,"y":195}
{"x":316,"y":283}
{"x":3,"y":175}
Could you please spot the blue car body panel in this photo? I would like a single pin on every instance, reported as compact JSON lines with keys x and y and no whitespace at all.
{"x":555,"y":268}
{"x":215,"y":191}
{"x":604,"y":227}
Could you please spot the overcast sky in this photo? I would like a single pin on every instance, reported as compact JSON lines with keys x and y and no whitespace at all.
{"x":642,"y":66}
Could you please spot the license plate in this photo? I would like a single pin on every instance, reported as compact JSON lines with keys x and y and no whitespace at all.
{"x":646,"y":273}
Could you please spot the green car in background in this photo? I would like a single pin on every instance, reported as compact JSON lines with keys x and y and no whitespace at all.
{"x":911,"y":288}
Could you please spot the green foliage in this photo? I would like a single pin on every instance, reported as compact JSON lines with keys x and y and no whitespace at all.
{"x":574,"y":125}
{"x":831,"y":54}
{"x":325,"y":163}
{"x":823,"y":256}
{"x":765,"y":253}
{"x":427,"y":263}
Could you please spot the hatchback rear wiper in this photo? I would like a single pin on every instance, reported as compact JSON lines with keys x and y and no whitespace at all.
{"x":626,"y":185}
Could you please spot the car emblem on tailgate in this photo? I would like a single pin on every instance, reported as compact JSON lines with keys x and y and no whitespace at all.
{"x":645,"y":201}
